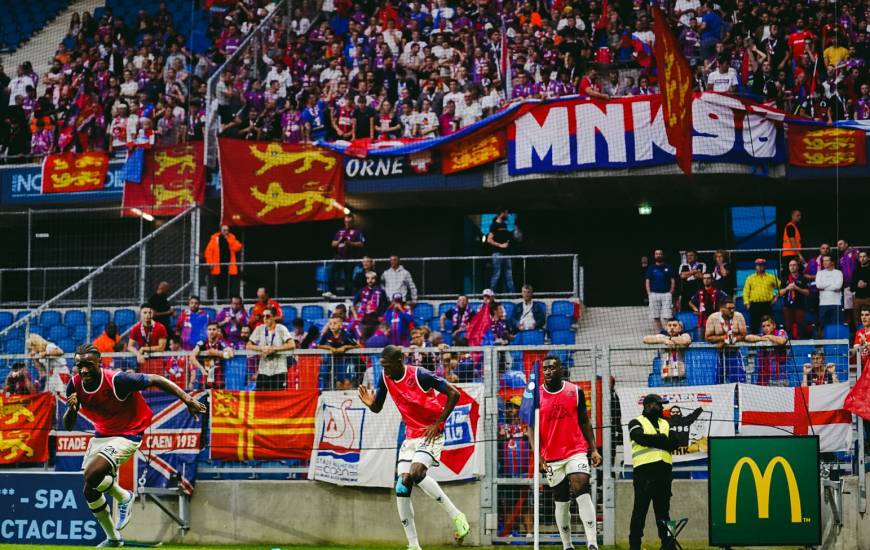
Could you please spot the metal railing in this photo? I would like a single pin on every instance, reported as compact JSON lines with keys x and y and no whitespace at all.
{"x":132,"y":262}
{"x":437,"y":277}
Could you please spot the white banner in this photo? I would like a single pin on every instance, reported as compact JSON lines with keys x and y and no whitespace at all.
{"x":692,"y":427}
{"x":816,"y":410}
{"x":354,"y":446}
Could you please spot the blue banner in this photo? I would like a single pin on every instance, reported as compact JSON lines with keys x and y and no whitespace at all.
{"x":22,"y":184}
{"x":46,"y":508}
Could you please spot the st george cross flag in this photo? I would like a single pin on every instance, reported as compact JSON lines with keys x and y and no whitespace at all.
{"x":800,"y":411}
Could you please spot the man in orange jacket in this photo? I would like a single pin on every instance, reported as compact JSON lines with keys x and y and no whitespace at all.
{"x":220,"y":254}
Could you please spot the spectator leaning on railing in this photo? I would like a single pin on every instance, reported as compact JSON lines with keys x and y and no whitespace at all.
{"x":18,"y":381}
{"x":829,"y":281}
{"x":146,"y":336}
{"x":674,"y":340}
{"x":269,"y":339}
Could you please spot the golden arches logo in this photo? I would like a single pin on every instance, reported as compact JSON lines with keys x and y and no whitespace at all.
{"x":762,"y":488}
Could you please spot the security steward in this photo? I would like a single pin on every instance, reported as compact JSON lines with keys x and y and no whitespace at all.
{"x":651,"y":447}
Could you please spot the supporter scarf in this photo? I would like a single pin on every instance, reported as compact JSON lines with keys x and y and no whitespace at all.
{"x":792,"y":278}
{"x":460,"y":318}
{"x":705,"y":295}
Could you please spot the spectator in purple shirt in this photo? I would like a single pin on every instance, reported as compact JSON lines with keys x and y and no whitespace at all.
{"x":399,"y":321}
{"x":348,"y":244}
{"x":370,"y":303}
{"x":231,"y":319}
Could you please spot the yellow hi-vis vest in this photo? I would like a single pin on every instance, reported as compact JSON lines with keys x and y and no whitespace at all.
{"x":641,"y":455}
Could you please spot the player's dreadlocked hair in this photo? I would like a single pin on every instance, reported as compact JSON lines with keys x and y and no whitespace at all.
{"x":85,"y":349}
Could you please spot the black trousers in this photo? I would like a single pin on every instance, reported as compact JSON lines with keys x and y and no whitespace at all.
{"x":652,"y":483}
{"x":274,"y":382}
{"x":757,"y":310}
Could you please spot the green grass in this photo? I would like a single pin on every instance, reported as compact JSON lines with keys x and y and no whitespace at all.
{"x":270,"y":547}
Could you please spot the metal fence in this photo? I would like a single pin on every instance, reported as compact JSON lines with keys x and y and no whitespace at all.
{"x":124,"y":277}
{"x":133,"y":280}
{"x":507,"y":491}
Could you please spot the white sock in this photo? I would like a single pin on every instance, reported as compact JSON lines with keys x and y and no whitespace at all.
{"x":563,"y":522}
{"x":431,"y":488}
{"x":406,"y":514}
{"x":590,"y":521}
{"x":104,"y":517}
{"x":118,"y":493}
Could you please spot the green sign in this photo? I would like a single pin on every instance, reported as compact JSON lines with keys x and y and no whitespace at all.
{"x":764,"y":491}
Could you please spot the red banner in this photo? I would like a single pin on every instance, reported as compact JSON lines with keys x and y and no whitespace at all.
{"x":675,"y":81}
{"x":472,"y":152}
{"x":25,"y":422}
{"x":173,"y":178}
{"x":814,"y":147}
{"x":74,"y":172}
{"x":273,"y":183}
{"x":263,"y":425}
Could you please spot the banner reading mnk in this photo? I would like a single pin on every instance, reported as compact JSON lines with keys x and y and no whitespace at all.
{"x":25,"y":422}
{"x":262,"y":425}
{"x":275,"y":183}
{"x":74,"y":172}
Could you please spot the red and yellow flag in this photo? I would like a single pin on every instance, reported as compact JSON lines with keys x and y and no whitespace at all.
{"x":263,"y":425}
{"x":813,"y":147}
{"x":267,"y":183}
{"x":74,"y":172}
{"x":173,"y":178}
{"x":25,"y":422}
{"x":675,"y":81}
{"x":472,"y":152}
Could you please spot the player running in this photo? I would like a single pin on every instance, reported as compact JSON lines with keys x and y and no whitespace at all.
{"x":414,"y":393}
{"x":120,"y":416}
{"x":566,"y":439}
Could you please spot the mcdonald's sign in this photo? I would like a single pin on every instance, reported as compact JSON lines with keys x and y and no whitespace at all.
{"x":764,"y":491}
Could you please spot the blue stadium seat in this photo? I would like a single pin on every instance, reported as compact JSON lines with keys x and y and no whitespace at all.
{"x":562,"y":338}
{"x":701,"y":366}
{"x":836,"y":332}
{"x":310,"y":313}
{"x":124,"y":318}
{"x":444,"y":306}
{"x":79,"y":333}
{"x":509,"y":308}
{"x":66,"y":344}
{"x":420,"y":321}
{"x":57,"y":332}
{"x":562,"y":307}
{"x":448,"y":337}
{"x":74,"y":317}
{"x":424,"y":310}
{"x":6,"y":319}
{"x":556,"y":323}
{"x":235,"y":373}
{"x":290,"y":314}
{"x":99,"y":317}
{"x":49,"y":318}
{"x":448,"y":325}
{"x":21,"y":314}
{"x":529,"y":338}
{"x":14,"y":346}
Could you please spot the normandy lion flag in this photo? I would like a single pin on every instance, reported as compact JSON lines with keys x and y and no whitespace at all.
{"x":268,"y":183}
{"x":171,"y":178}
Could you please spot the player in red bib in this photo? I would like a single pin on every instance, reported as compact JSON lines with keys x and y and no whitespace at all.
{"x":120,"y":415}
{"x":566,"y":442}
{"x":415,"y":393}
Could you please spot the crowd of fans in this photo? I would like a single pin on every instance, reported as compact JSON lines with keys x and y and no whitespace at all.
{"x":113,"y":83}
{"x":392,"y":69}
{"x":824,"y":296}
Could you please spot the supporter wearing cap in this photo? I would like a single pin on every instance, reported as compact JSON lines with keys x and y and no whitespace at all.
{"x":760,"y":292}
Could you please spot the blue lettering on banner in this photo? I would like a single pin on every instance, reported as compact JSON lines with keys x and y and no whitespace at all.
{"x":47,"y":508}
{"x":457,"y":428}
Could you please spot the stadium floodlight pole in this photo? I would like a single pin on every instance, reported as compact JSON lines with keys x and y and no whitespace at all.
{"x":536,"y":480}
